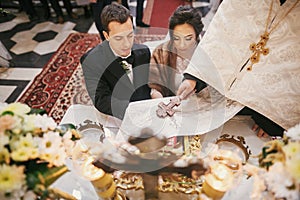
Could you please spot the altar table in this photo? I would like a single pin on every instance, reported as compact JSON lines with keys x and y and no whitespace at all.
{"x":90,"y":121}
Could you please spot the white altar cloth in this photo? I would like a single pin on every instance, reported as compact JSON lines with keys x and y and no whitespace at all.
{"x":74,"y":184}
{"x":199,"y":114}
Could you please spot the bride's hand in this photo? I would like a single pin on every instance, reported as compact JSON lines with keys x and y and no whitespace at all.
{"x":155,"y":94}
{"x":185,"y":89}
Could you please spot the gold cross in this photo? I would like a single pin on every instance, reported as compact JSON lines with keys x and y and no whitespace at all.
{"x":258,"y":49}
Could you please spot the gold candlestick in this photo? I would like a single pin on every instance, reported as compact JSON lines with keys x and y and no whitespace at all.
{"x":218,"y":181}
{"x":103,"y":182}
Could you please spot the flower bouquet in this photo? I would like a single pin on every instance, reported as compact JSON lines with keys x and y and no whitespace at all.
{"x":278,"y":176}
{"x":33,"y":150}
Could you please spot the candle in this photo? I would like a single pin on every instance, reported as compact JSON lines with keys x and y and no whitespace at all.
{"x":218,"y":181}
{"x":90,"y":171}
{"x":102,"y":182}
{"x":228,"y":158}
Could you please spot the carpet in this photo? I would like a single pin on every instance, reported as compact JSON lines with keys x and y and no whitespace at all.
{"x":61,"y":83}
{"x":162,"y":10}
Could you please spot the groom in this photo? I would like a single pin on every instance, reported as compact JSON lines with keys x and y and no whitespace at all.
{"x":116,"y":71}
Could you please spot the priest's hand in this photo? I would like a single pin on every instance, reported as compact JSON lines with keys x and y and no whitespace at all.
{"x":186,"y":88}
{"x":260,"y":131}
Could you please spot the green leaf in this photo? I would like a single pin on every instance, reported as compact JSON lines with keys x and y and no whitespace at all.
{"x":37,"y":111}
{"x":40,"y":173}
{"x":53,"y":174}
{"x":62,"y":128}
{"x":33,"y":173}
{"x":8,"y":112}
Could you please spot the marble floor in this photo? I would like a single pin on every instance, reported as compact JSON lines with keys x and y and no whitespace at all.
{"x":30,"y":44}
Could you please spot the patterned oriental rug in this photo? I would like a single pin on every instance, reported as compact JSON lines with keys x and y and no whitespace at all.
{"x":61,"y":83}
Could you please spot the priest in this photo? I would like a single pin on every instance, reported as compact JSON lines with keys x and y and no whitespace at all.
{"x":251,"y":55}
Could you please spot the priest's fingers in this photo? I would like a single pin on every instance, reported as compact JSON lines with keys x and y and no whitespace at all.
{"x":265,"y":135}
{"x":255,"y":127}
{"x":262,"y":133}
{"x":186,"y":88}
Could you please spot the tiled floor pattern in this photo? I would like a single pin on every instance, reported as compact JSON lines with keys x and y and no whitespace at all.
{"x":32,"y":44}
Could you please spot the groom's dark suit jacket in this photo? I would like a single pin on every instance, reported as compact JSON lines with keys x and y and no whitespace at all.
{"x":107,"y":82}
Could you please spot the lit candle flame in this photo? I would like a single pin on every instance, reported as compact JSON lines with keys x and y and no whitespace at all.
{"x":90,"y":171}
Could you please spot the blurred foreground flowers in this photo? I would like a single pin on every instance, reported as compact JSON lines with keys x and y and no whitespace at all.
{"x":279,"y":174}
{"x":33,"y":151}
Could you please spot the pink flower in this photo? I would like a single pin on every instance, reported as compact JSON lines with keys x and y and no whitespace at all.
{"x":7,"y":122}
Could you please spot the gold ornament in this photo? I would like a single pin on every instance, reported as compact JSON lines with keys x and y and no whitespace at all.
{"x":259,"y":48}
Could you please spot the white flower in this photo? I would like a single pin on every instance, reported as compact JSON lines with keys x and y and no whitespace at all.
{"x":292,"y":149}
{"x":68,"y":143}
{"x":11,"y":178}
{"x":26,"y":141}
{"x":17,"y":194}
{"x":29,"y":123}
{"x":38,"y":122}
{"x":45,"y":123}
{"x":50,"y":142}
{"x":279,"y":181}
{"x":294,"y":132}
{"x":3,"y":105}
{"x":21,"y":154}
{"x":17,"y":129}
{"x":4,"y":155}
{"x":26,"y":137}
{"x":258,"y":187}
{"x":293,"y":167}
{"x":292,"y":156}
{"x":125,"y":66}
{"x":56,"y":158}
{"x":17,"y":108}
{"x":67,"y":135}
{"x":4,"y":140}
{"x":51,"y":149}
